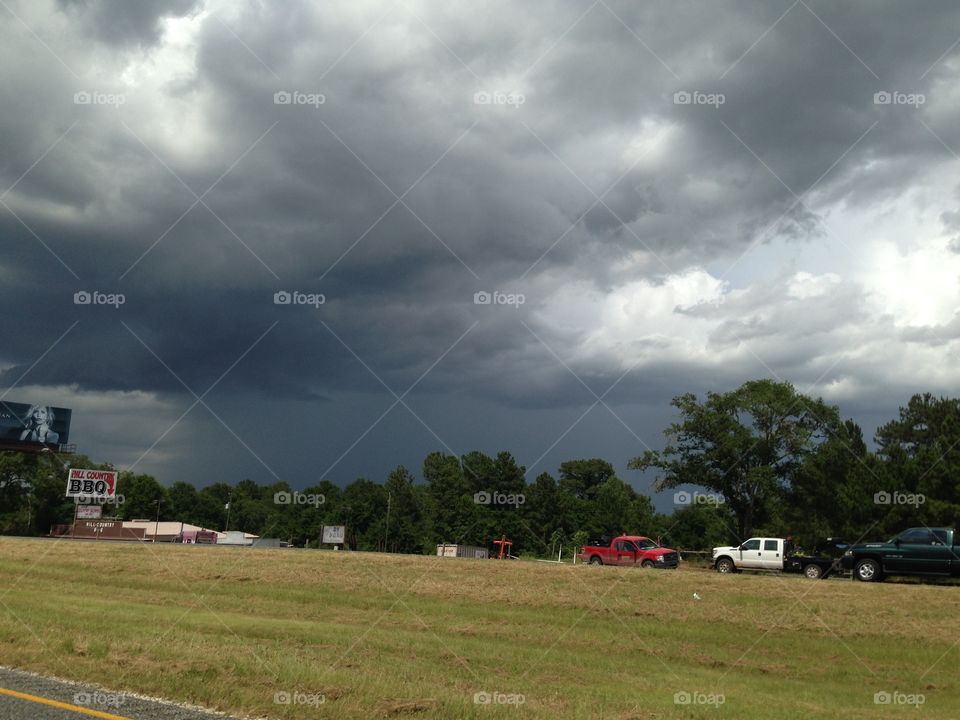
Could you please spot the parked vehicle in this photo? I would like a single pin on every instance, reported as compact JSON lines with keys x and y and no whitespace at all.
{"x":629,"y":550}
{"x":917,"y":551}
{"x":773,"y":554}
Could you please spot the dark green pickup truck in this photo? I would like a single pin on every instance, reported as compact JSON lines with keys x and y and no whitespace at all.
{"x":917,"y":551}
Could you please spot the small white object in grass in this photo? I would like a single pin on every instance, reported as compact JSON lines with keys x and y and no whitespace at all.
{"x":696,"y":596}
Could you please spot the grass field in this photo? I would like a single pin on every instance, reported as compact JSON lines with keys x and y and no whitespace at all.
{"x":411,"y":637}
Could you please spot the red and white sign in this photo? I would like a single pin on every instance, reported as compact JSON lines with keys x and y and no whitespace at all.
{"x":92,"y":483}
{"x":89,"y":512}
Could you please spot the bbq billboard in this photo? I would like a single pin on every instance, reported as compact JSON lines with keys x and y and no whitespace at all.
{"x":21,"y":423}
{"x":92,"y":484}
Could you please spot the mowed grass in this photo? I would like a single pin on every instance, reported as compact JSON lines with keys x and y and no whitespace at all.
{"x":416,"y":637}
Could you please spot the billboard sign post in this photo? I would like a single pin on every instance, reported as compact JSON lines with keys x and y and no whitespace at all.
{"x":86,"y":485}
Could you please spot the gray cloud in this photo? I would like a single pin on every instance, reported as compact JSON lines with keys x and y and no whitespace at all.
{"x":116,"y":22}
{"x":505,"y":199}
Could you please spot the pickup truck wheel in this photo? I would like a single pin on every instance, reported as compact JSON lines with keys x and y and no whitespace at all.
{"x":647,"y":564}
{"x":725,"y":565}
{"x":595,"y":560}
{"x":868,"y":571}
{"x":813,"y":571}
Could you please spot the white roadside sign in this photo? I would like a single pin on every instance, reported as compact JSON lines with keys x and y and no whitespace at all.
{"x":334,"y":534}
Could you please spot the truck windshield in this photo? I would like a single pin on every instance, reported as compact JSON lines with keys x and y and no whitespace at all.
{"x":646,"y":544}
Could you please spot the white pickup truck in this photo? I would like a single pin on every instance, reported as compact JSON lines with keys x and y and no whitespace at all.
{"x":771,"y":554}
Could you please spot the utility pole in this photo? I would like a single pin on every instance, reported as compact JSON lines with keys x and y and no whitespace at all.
{"x":386,"y":536}
{"x":156,"y":525}
{"x":229,"y":503}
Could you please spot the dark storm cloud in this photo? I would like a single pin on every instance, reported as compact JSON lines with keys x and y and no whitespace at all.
{"x":506,"y":194}
{"x":118,"y":22}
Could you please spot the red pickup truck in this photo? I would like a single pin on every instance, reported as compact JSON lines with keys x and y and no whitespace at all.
{"x":629,"y":550}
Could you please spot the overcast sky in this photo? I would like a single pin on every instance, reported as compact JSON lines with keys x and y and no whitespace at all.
{"x":683,"y":195}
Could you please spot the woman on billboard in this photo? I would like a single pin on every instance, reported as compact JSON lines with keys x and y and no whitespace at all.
{"x":38,"y":425}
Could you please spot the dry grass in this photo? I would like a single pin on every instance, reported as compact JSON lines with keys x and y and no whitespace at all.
{"x":412,"y":637}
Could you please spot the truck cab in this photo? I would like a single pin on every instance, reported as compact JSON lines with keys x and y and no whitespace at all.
{"x":915,"y":551}
{"x":631,"y":551}
{"x":754,"y":554}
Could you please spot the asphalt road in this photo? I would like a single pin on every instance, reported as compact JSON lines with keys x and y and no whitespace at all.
{"x":24,"y":696}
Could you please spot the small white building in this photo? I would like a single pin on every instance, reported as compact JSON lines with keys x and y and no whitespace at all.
{"x":236,"y":537}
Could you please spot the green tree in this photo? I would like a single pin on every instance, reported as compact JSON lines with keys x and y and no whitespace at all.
{"x":542,"y":511}
{"x":700,"y":526}
{"x":920,"y":451}
{"x":17,"y":474}
{"x":141,"y":493}
{"x":448,"y":494}
{"x":618,"y":509}
{"x":581,"y":478}
{"x":184,"y":500}
{"x":746,"y":445}
{"x":211,"y":506}
{"x":832,"y":492}
{"x":405,"y":529}
{"x":364,"y":512}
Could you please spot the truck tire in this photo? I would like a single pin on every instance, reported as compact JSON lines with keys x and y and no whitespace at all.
{"x":648,"y":564}
{"x":595,"y":560}
{"x":813,"y":571}
{"x":725,"y":565}
{"x":868,"y":570}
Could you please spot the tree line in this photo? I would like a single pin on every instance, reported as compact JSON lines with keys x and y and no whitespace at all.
{"x":762,"y":458}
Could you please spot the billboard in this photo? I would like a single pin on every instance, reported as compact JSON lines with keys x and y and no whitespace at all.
{"x":89,"y":512}
{"x":333,"y":534}
{"x":34,"y":424}
{"x":92,"y":483}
